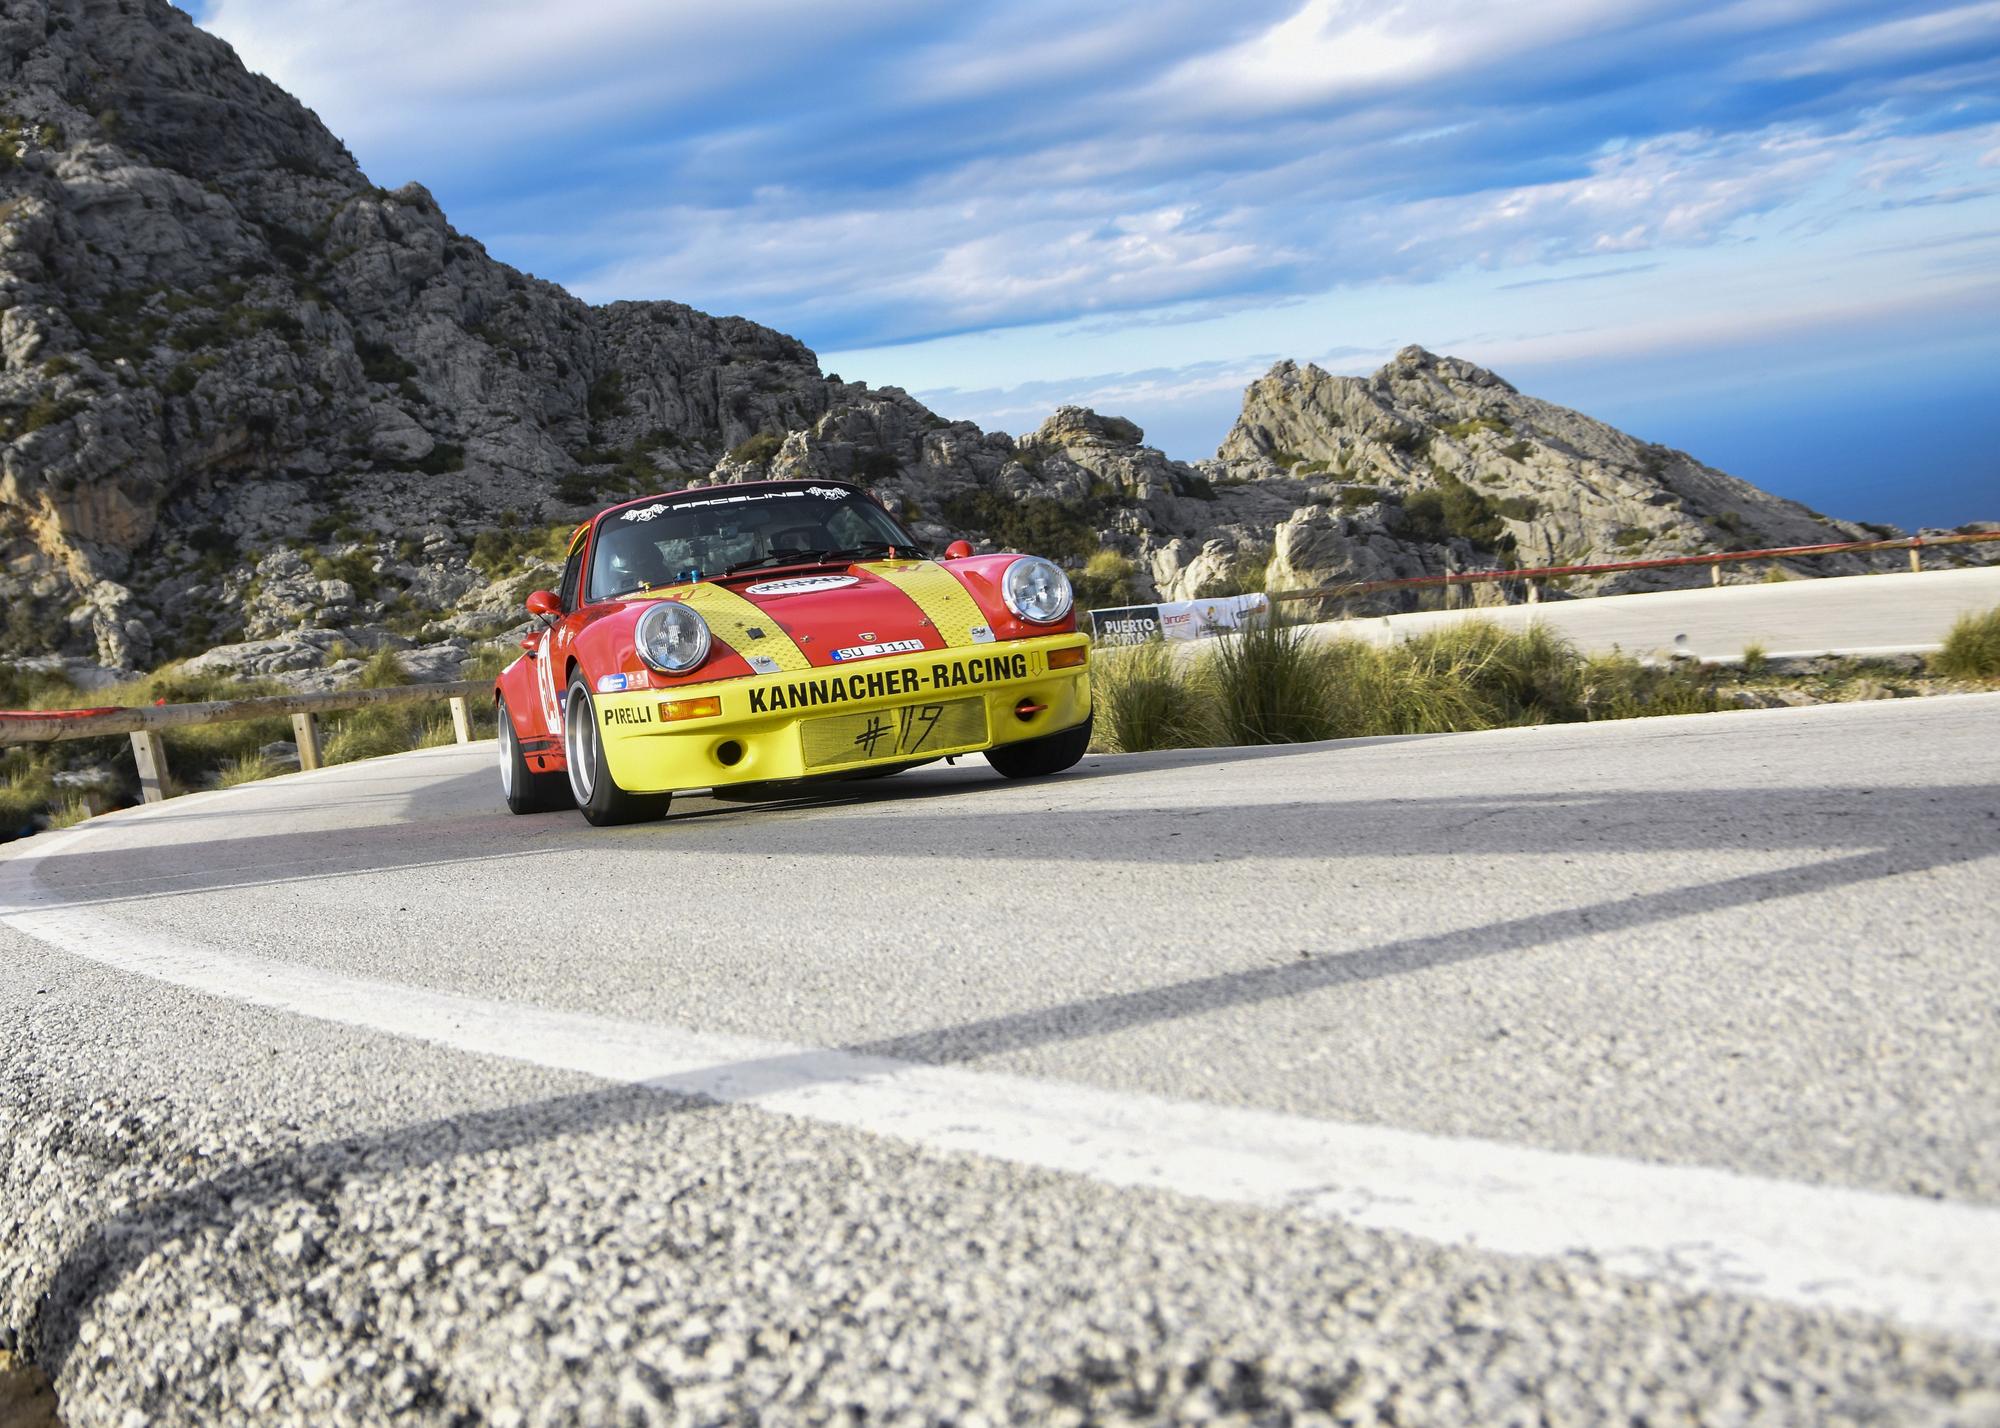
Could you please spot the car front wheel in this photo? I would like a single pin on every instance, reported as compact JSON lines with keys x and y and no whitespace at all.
{"x":603,"y":802}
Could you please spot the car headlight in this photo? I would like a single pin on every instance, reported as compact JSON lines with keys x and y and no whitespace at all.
{"x":671,"y":638}
{"x":1036,"y":590}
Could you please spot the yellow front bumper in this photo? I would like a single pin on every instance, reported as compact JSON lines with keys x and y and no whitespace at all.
{"x":875,"y":712}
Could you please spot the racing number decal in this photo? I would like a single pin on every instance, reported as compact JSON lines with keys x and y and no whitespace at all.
{"x":914,"y":724}
{"x":545,"y":679}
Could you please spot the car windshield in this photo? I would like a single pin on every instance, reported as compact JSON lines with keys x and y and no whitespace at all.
{"x":674,"y":542}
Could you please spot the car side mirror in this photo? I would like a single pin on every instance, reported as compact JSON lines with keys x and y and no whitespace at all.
{"x":531,"y":644}
{"x":958,"y":550}
{"x":544,"y":602}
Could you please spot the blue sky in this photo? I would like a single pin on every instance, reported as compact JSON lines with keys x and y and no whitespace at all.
{"x":1767,"y":231}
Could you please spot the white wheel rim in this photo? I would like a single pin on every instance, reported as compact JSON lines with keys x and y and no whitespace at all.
{"x":580,"y":744}
{"x":506,"y":752}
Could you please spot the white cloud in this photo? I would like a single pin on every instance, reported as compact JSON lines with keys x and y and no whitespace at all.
{"x":1330,"y":49}
{"x":378,"y":70}
{"x":1940,"y":31}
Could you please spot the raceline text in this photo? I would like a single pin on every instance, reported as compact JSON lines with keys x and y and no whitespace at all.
{"x":887,"y":683}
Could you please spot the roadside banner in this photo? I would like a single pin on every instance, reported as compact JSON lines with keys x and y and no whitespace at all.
{"x":1175,"y":619}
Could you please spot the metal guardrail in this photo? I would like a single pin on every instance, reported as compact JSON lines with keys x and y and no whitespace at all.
{"x":1715,"y":561}
{"x":145,"y":723}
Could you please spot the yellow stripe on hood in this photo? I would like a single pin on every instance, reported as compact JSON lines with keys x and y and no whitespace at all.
{"x":945,"y":603}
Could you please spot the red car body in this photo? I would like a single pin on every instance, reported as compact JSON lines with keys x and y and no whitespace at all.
{"x":837,"y":665}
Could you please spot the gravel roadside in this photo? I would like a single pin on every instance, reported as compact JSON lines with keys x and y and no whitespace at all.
{"x":302,"y":1224}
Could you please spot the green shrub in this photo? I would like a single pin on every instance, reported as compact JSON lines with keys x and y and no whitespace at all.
{"x":1452,"y":508}
{"x":384,"y":671}
{"x":1517,"y":450}
{"x":499,"y":553}
{"x":443,"y":457}
{"x":1034,"y":525}
{"x":26,"y":788}
{"x":1972,"y":649}
{"x":759,"y":449}
{"x":1519,"y":508}
{"x":1619,"y":687}
{"x":1755,"y":658}
{"x":1352,"y":498}
{"x":245,"y":768}
{"x":1271,"y":684}
{"x":1148,"y":697}
{"x":577,"y":487}
{"x":1198,"y":487}
{"x":606,"y":397}
{"x":1526,"y":676}
{"x":1105,"y":581}
{"x":877,"y":466}
{"x":1463,"y":429}
{"x":382,"y":363}
{"x":370,"y":733}
{"x":43,"y":411}
{"x":1372,"y":691}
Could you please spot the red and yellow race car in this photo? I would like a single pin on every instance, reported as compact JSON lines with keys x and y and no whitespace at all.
{"x":776,"y":631}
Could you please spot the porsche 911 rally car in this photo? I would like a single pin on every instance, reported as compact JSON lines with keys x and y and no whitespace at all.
{"x":776,"y":631}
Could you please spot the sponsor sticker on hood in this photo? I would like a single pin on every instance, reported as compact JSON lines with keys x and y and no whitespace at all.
{"x":800,"y":585}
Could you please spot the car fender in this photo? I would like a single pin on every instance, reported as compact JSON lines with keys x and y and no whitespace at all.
{"x":517,"y":685}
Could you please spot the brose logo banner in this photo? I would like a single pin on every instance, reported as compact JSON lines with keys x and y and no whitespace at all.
{"x":890,"y":683}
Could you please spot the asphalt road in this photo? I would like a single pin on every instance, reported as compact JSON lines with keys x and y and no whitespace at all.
{"x":1646,"y":1071}
{"x":1851,"y":614}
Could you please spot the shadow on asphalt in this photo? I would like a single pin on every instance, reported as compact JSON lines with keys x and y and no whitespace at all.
{"x":1896,"y":832}
{"x":1927,"y":829}
{"x":821,"y":822}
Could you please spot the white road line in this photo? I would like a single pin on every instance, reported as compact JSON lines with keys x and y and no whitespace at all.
{"x":1927,"y":1263}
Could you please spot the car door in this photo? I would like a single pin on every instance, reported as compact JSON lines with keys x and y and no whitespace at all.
{"x":552,"y":658}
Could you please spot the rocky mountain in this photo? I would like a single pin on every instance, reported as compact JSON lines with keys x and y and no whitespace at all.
{"x":252,"y":401}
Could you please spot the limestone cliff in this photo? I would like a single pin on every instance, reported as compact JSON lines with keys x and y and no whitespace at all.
{"x":251,"y":400}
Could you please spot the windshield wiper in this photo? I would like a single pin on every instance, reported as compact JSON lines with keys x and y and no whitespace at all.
{"x":778,"y":557}
{"x":904,"y":549}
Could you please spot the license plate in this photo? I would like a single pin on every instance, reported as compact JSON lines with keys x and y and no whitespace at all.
{"x":910,"y":731}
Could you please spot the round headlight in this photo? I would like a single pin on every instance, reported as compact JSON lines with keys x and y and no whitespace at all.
{"x":671,"y":638}
{"x":1036,"y":589}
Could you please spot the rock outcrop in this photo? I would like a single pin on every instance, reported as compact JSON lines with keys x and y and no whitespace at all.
{"x":217,"y":333}
{"x":251,"y":400}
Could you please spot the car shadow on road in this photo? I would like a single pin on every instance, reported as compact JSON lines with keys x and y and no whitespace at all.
{"x":1301,"y":835}
{"x":1891,"y":833}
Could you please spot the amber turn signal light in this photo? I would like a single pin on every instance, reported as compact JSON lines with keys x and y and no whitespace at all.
{"x":674,"y":709}
{"x":1069,"y":658}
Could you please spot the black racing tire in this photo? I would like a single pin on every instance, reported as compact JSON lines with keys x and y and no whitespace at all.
{"x":597,"y":794}
{"x":525,"y":790}
{"x":1036,"y":758}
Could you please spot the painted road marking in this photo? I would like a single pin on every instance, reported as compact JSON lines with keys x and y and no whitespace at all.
{"x":1933,"y":1264}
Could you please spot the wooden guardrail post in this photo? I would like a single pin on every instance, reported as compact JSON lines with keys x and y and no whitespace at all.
{"x":149,"y":752}
{"x":305,"y":733}
{"x":461,"y":719}
{"x":1916,"y":557}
